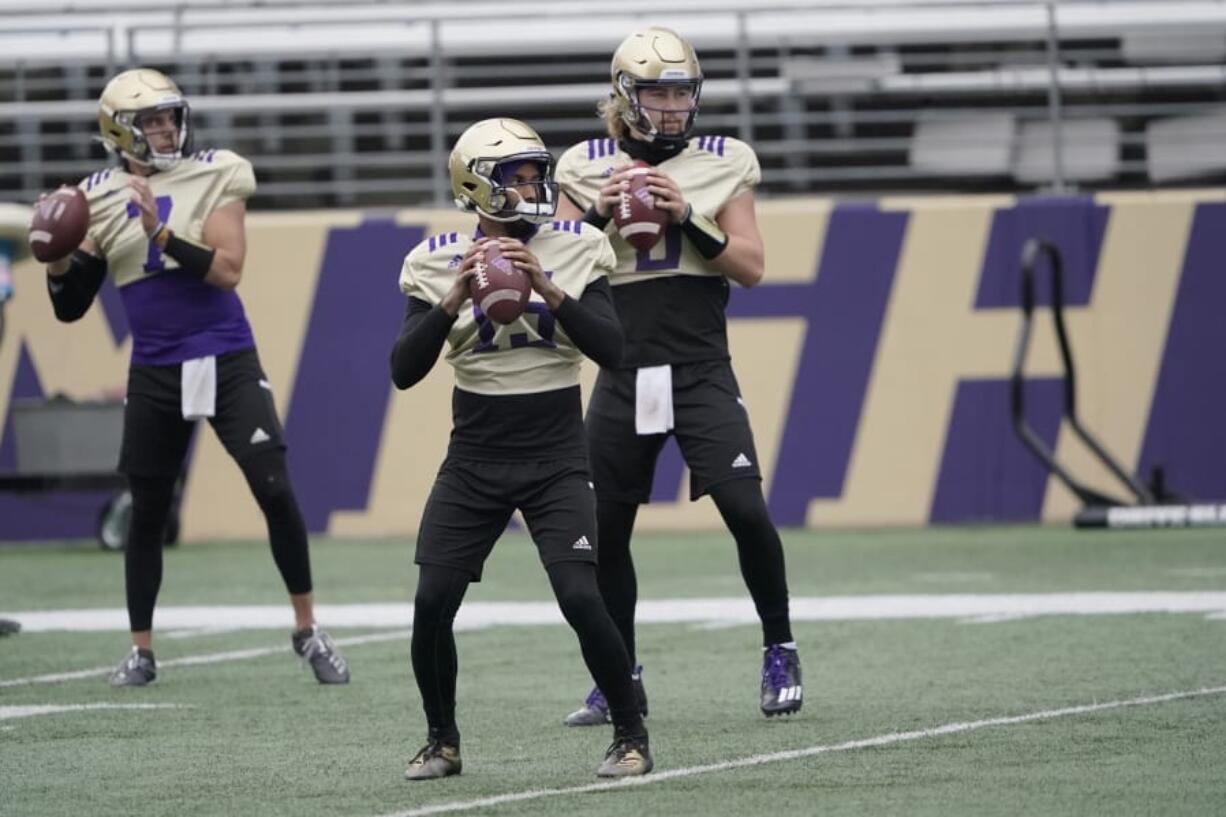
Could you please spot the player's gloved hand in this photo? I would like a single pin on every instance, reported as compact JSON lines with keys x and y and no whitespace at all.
{"x":517,"y":253}
{"x":458,"y":294}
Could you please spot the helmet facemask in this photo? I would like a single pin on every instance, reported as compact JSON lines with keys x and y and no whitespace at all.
{"x":504,"y":202}
{"x":136,"y":147}
{"x":635,"y":113}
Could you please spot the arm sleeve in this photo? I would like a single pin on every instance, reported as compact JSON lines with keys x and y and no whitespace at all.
{"x":74,"y":291}
{"x":421,"y":339}
{"x":592,"y":324}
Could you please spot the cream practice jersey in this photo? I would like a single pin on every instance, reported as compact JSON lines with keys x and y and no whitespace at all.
{"x":174,"y":316}
{"x":532,"y":354}
{"x":710,"y":171}
{"x":670,"y":300}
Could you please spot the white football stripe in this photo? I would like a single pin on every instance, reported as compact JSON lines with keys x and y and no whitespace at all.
{"x":709,"y":611}
{"x":208,"y":658}
{"x":8,"y":713}
{"x":39,"y":236}
{"x":799,"y":754}
{"x":639,"y":227}
{"x":498,"y":296}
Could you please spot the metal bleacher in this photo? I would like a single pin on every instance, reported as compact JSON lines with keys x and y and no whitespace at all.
{"x":356,"y":102}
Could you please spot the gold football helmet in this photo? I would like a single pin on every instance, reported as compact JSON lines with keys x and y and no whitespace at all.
{"x":120,"y":108}
{"x":653,"y":57}
{"x":481,"y":164}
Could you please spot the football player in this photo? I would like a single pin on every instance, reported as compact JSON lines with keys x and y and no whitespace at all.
{"x":167,"y":224}
{"x":517,"y":440}
{"x":676,"y":376}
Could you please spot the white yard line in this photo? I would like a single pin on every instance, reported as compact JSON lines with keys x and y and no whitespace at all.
{"x":797,"y":754}
{"x":209,"y":658}
{"x":8,"y":713}
{"x":710,"y":611}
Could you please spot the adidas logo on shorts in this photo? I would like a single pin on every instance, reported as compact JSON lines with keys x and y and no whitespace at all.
{"x":742,"y":461}
{"x":581,"y":544}
{"x":260,"y":436}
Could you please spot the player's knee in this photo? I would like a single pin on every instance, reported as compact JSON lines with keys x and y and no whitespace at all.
{"x":579,"y":603}
{"x":269,"y":480}
{"x":428,"y":605}
{"x":742,"y":504}
{"x":152,"y":498}
{"x":438,"y":596}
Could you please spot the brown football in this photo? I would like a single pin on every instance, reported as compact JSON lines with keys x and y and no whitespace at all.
{"x":637,"y":219}
{"x":498,"y":287}
{"x":59,"y":224}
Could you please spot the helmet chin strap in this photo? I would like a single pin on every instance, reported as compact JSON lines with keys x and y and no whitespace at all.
{"x":155,"y":161}
{"x":521,"y":229}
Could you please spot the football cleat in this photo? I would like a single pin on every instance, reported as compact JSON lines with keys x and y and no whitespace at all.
{"x":782,"y":692}
{"x":627,"y":757}
{"x":137,"y":669}
{"x":595,"y":709}
{"x":436,"y":759}
{"x":320,"y":653}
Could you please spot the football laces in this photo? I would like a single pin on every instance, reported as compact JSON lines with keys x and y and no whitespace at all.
{"x":479,"y":273}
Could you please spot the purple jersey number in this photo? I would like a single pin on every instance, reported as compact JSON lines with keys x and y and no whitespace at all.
{"x":156,"y":261}
{"x":672,"y":253}
{"x":545,"y":324}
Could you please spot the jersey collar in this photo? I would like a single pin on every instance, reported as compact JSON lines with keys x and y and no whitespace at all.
{"x":653,"y":153}
{"x":533,"y":229}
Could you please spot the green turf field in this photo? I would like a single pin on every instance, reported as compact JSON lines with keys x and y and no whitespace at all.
{"x":252,"y":734}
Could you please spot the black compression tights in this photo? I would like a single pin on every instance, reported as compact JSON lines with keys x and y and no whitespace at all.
{"x":152,"y":498}
{"x":758,"y":548}
{"x":269,"y":481}
{"x":435,"y":665}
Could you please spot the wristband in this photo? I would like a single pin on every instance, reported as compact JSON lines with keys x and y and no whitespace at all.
{"x":704,"y":234}
{"x":595,"y":219}
{"x":194,"y":259}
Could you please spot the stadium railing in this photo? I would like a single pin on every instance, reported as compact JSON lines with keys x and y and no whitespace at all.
{"x":355,"y":103}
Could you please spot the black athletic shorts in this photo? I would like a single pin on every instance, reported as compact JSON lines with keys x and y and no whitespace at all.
{"x":472,"y":502}
{"x":709,"y":422}
{"x":155,"y":435}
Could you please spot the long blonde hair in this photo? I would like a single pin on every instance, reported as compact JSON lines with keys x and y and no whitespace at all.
{"x":610,"y":110}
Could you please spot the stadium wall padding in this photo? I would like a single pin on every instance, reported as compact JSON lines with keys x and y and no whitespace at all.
{"x":874,"y":361}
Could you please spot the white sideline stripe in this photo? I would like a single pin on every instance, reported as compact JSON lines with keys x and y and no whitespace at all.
{"x":208,"y":658}
{"x":197,"y":632}
{"x":709,"y":611}
{"x":8,"y":713}
{"x":811,"y":751}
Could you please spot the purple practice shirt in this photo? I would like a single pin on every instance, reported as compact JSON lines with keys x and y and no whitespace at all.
{"x":175,"y":317}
